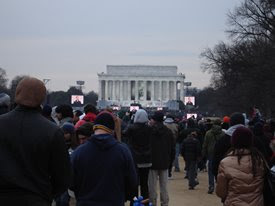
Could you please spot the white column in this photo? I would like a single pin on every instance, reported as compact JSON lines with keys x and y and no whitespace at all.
{"x":129,"y":90}
{"x":160,"y":90}
{"x":175,"y":90}
{"x":114,"y":90}
{"x":136,"y":90}
{"x":99,"y":90}
{"x":145,"y":90}
{"x":121,"y":90}
{"x":153,"y":91}
{"x":167,"y":90}
{"x":182,"y":91}
{"x":106,"y":90}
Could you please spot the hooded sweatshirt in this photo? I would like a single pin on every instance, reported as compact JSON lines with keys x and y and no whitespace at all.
{"x":103,"y":171}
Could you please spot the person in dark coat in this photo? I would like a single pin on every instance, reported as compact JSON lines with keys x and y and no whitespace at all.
{"x":35,"y":163}
{"x":139,"y":140}
{"x":103,"y":167}
{"x":163,"y":150}
{"x":191,"y":152}
{"x":224,"y":143}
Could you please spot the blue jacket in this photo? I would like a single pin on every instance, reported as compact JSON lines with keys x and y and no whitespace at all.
{"x":103,"y":172}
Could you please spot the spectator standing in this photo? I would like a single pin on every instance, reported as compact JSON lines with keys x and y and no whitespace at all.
{"x":90,"y":115}
{"x":139,"y":140}
{"x":170,"y":124}
{"x":64,"y":113}
{"x":224,"y":143}
{"x":35,"y":161}
{"x":211,"y":137}
{"x":103,"y":168}
{"x":162,"y":150}
{"x":240,"y":178}
{"x":191,"y":152}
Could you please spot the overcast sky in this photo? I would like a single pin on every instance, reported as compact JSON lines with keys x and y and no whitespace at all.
{"x":69,"y":40}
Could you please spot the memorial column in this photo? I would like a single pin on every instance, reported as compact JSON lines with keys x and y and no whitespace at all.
{"x":99,"y":90}
{"x":145,"y":90}
{"x":129,"y":90}
{"x":182,"y":91}
{"x":121,"y":90}
{"x":114,"y":90}
{"x":153,"y":91}
{"x":167,"y":90}
{"x":136,"y":90}
{"x":106,"y":90}
{"x":160,"y":90}
{"x":175,"y":90}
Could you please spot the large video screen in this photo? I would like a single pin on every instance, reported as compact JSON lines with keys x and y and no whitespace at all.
{"x":189,"y":101}
{"x":77,"y":100}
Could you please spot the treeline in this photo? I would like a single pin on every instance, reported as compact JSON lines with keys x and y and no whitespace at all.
{"x":53,"y":98}
{"x":243,"y":71}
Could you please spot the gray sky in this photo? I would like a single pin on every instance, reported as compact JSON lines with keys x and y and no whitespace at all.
{"x":69,"y":40}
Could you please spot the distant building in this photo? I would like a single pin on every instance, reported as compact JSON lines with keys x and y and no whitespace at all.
{"x":150,"y":86}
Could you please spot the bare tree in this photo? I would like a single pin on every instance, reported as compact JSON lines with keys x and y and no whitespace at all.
{"x":253,"y":20}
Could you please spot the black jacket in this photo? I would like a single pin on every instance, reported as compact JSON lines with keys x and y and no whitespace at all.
{"x":33,"y":156}
{"x":163,"y":147}
{"x":139,"y":137}
{"x":191,"y":149}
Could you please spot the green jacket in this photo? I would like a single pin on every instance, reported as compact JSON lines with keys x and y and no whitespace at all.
{"x":210,"y":140}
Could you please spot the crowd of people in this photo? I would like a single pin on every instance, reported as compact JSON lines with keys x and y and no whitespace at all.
{"x":54,"y":155}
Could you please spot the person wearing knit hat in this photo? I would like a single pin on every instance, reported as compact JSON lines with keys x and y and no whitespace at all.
{"x":4,"y":103}
{"x":163,"y":150}
{"x":95,"y":163}
{"x":138,"y":136}
{"x":104,"y":121}
{"x":33,"y":152}
{"x":241,"y":173}
{"x":226,"y":119}
{"x":84,"y":132}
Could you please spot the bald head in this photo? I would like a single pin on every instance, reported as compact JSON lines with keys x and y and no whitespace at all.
{"x":30,"y":92}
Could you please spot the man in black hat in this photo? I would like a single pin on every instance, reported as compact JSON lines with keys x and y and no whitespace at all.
{"x":103,"y":168}
{"x":162,"y":153}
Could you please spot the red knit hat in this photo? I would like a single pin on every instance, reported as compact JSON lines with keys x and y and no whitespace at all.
{"x":242,"y":137}
{"x":226,"y":119}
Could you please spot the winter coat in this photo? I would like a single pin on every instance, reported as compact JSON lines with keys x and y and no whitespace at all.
{"x":236,"y":184}
{"x":139,"y":137}
{"x":103,"y":171}
{"x":163,"y":147}
{"x":211,"y":137}
{"x":191,"y":149}
{"x":35,"y":162}
{"x":173,"y":127}
{"x":221,"y":148}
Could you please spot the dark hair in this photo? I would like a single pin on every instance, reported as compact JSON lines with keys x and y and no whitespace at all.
{"x":78,"y":113}
{"x":256,"y":157}
{"x":65,"y":110}
{"x":225,"y":125}
{"x":90,"y":108}
{"x":237,"y":118}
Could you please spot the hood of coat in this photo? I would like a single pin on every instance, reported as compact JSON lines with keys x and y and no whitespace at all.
{"x":169,"y":120}
{"x":216,"y":129}
{"x":141,"y":116}
{"x":232,"y":129}
{"x":104,"y":141}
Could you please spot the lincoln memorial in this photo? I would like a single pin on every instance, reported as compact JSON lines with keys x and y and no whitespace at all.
{"x":150,"y":86}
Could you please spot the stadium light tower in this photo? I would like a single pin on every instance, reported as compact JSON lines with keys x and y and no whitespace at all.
{"x":80,"y":84}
